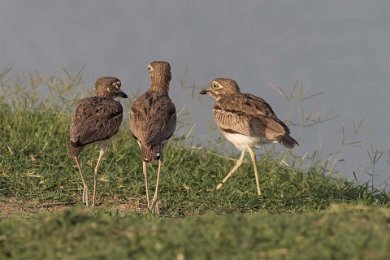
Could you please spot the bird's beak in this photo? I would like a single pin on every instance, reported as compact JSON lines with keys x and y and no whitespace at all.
{"x":122,"y":94}
{"x":205,"y":91}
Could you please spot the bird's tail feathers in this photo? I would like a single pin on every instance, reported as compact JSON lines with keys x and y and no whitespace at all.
{"x":149,"y":153}
{"x":74,"y":151}
{"x":287,"y":141}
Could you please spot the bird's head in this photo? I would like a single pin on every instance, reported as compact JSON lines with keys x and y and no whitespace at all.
{"x":109,"y":87}
{"x":160,"y":72}
{"x":221,"y":87}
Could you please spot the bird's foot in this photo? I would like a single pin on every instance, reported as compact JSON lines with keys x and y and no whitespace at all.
{"x":154,"y":206}
{"x":85,"y":196}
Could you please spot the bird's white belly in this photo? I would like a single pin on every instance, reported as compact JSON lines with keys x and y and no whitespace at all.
{"x":241,"y":141}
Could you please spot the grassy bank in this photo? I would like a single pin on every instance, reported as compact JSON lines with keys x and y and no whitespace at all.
{"x":341,"y":233}
{"x":34,"y":166}
{"x":299,"y":213}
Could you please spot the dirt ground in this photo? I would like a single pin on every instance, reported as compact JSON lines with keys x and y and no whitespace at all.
{"x":12,"y":206}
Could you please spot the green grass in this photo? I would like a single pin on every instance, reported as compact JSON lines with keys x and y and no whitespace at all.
{"x":34,"y":166}
{"x":297,"y":215}
{"x":341,"y":233}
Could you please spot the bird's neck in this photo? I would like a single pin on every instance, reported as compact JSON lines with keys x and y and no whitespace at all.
{"x":104,"y":95}
{"x":159,"y":88}
{"x":103,"y":92}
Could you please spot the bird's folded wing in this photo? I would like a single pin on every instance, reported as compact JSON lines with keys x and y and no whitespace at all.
{"x":163,"y":124}
{"x":248,"y":115}
{"x":95,"y":120}
{"x":153,"y":119}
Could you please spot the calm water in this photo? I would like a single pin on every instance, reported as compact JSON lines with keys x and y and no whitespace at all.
{"x":340,"y":47}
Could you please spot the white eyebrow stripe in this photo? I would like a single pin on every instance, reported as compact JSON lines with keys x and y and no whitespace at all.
{"x":117,"y":84}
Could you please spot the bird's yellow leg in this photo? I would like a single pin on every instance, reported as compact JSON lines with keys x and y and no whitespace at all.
{"x":95,"y":174}
{"x":154,"y":200}
{"x":238,"y":164}
{"x":253,"y":157}
{"x":146,"y":181}
{"x":85,"y":187}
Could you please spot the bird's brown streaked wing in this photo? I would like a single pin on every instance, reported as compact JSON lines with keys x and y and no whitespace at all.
{"x":248,"y":115}
{"x":139,"y":116}
{"x":247,"y":104}
{"x":232,"y":122}
{"x":272,"y":121}
{"x":270,"y":128}
{"x":95,"y":119}
{"x":163,"y":124}
{"x":153,"y":118}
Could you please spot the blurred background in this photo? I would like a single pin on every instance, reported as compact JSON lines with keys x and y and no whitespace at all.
{"x":324,"y":66}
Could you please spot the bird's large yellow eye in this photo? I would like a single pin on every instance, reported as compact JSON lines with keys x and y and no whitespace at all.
{"x":150,"y":68}
{"x":215,"y":85}
{"x":117,"y":84}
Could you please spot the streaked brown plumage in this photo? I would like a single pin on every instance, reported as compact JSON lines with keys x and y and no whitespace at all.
{"x":153,"y":119}
{"x":96,"y":120}
{"x":246,"y":120}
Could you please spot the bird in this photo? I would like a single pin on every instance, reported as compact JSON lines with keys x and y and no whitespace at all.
{"x":153,"y":121}
{"x":96,"y":120}
{"x":245,"y":120}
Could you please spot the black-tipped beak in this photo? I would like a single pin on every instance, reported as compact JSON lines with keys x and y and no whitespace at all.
{"x":205,"y":91}
{"x":121,"y":94}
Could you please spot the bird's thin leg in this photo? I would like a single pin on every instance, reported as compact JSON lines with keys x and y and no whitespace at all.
{"x":253,"y":157}
{"x":85,"y":187}
{"x":95,"y":173}
{"x":146,"y":182}
{"x":238,"y":164}
{"x":154,"y":200}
